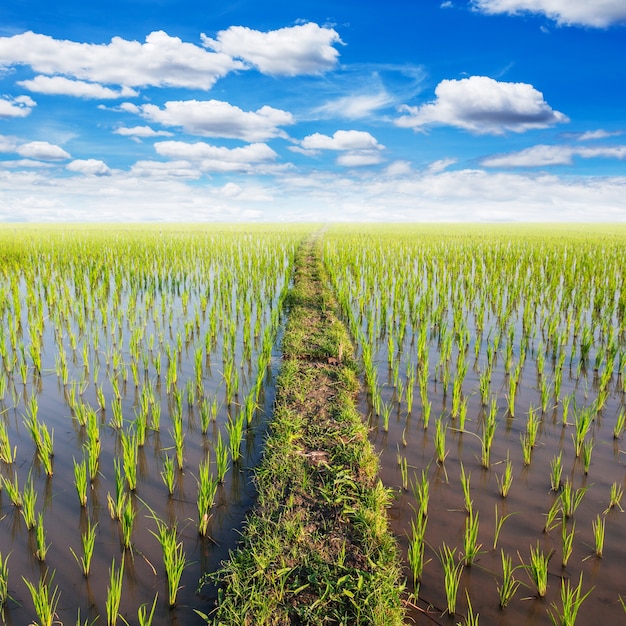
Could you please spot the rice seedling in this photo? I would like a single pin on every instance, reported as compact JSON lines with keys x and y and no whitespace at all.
{"x":567,"y":540}
{"x":145,"y":615}
{"x":527,"y":448}
{"x":440,"y":441}
{"x":571,"y":600}
{"x":80,"y":481}
{"x":615,"y":498}
{"x":471,"y":618}
{"x":582,"y":424}
{"x":505,"y":482}
{"x":421,"y":493}
{"x":174,"y":559}
{"x":509,"y":585}
{"x":532,"y":427}
{"x":45,"y":599}
{"x":117,"y":419}
{"x":116,"y":505}
{"x":179,"y":439}
{"x":207,"y":488}
{"x":587,"y":449}
{"x":7,"y":454}
{"x":4,"y":583}
{"x":168,"y":474}
{"x":88,"y":541}
{"x":537,"y":569}
{"x":127,"y":522}
{"x":40,"y":538}
{"x":489,"y":431}
{"x":404,"y":472}
{"x":114,"y":593}
{"x":221,"y":458}
{"x":129,"y":458}
{"x":471,"y":547}
{"x":29,"y":498}
{"x":235,"y":435}
{"x":556,"y":472}
{"x":12,"y":488}
{"x":465,"y":483}
{"x":452,"y":575}
{"x":500,"y":519}
{"x":415,"y":554}
{"x":620,"y":423}
{"x":598,"y":526}
{"x":571,"y":499}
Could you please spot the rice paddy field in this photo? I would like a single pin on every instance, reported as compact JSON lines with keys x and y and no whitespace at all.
{"x":136,"y":368}
{"x":136,"y":385}
{"x":495,"y":369}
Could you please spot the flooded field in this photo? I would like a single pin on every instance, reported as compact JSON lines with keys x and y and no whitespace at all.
{"x":495,"y":361}
{"x":136,"y":380}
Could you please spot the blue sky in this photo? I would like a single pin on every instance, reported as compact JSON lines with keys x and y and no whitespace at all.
{"x":477,"y":110}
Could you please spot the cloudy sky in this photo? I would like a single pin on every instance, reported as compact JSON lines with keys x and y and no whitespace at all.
{"x":478,"y":110}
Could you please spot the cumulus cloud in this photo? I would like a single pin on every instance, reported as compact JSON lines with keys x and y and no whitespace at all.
{"x":89,"y":167}
{"x":142,"y":132}
{"x":160,"y":61}
{"x":215,"y":158}
{"x":342,"y":140}
{"x":214,"y":118}
{"x":356,"y":106}
{"x":59,"y":85}
{"x":543,"y":155}
{"x":302,"y":49}
{"x":43,"y":151}
{"x":16,"y":107}
{"x":596,"y":13}
{"x":483,"y":105}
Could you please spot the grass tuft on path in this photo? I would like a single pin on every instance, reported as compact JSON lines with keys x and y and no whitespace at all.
{"x":317,"y":547}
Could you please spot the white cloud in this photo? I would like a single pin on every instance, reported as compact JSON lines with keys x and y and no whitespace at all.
{"x":597,"y":13}
{"x":542,"y":155}
{"x":214,"y":118}
{"x":142,"y":131}
{"x":440,"y":165}
{"x":43,"y":151}
{"x":484,"y":106}
{"x":89,"y":167}
{"x":160,"y":61}
{"x":598,"y":134}
{"x":8,"y":144}
{"x":59,"y":85}
{"x":161,"y":171}
{"x":302,"y":49}
{"x":356,"y":106}
{"x":359,"y":158}
{"x":215,"y":158}
{"x":341,"y":140}
{"x":16,"y":107}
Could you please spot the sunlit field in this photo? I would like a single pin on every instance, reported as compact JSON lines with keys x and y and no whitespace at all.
{"x":136,"y":369}
{"x":495,"y":368}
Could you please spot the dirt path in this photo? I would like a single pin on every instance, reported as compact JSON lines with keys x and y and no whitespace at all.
{"x":317,"y":548}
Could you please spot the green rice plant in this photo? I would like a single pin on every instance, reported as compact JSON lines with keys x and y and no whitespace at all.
{"x":45,"y":600}
{"x":40,"y":539}
{"x":567,"y":540}
{"x":500,"y":519}
{"x":440,"y":441}
{"x":130,"y":458}
{"x":537,"y":569}
{"x":7,"y":455}
{"x":80,"y":481}
{"x":486,"y":441}
{"x":404,"y":472}
{"x":426,"y":410}
{"x":116,"y":505}
{"x":556,"y":472}
{"x":582,"y":424}
{"x":117,"y":419}
{"x":12,"y":488}
{"x":587,"y":449}
{"x":452,"y":576}
{"x":4,"y":583}
{"x":42,"y":437}
{"x":566,"y":403}
{"x":385,"y":410}
{"x":509,"y":585}
{"x":484,"y":385}
{"x":463,"y":413}
{"x":127,"y":522}
{"x":598,"y":527}
{"x":552,"y":515}
{"x":620,"y":423}
{"x":615,"y":498}
{"x":471,"y":547}
{"x":205,"y":415}
{"x":29,"y":498}
{"x":174,"y":559}
{"x":571,"y":499}
{"x":471,"y":619}
{"x":571,"y":600}
{"x":179,"y":439}
{"x":465,"y":483}
{"x":546,"y":390}
{"x":221,"y":458}
{"x":168,"y":474}
{"x":505,"y":482}
{"x":421,"y":492}
{"x":416,"y":547}
{"x":235,"y":434}
{"x":88,"y":541}
{"x":527,"y":448}
{"x":145,"y":615}
{"x":532,"y":427}
{"x":114,"y":593}
{"x":207,"y":488}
